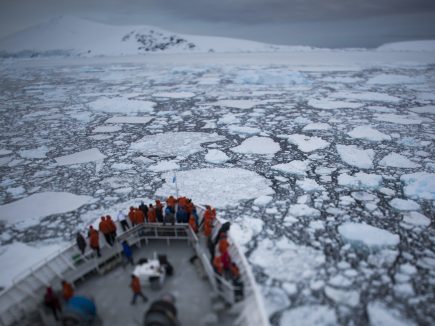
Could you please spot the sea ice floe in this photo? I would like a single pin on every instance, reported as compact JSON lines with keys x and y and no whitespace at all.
{"x":363,"y":196}
{"x":368,"y":133}
{"x":309,"y":185}
{"x":404,"y":204}
{"x":309,"y":315}
{"x":164,"y":166}
{"x":284,"y":260}
{"x":419,"y":185}
{"x":296,"y":167}
{"x":257,"y":145}
{"x":399,"y":119}
{"x":122,"y":166}
{"x":216,"y":156}
{"x":237,"y":104}
{"x":89,"y":155}
{"x":366,"y":96}
{"x":242,"y":231}
{"x":219,"y":187}
{"x":354,"y":156}
{"x":306,"y":143}
{"x":343,"y":296}
{"x":18,"y":257}
{"x":381,"y":315}
{"x":103,"y":129}
{"x":330,"y":104}
{"x":316,"y":126}
{"x":370,"y":236}
{"x":300,"y":210}
{"x":174,"y":143}
{"x":121,"y":104}
{"x":131,"y":120}
{"x":430,"y":109}
{"x":174,"y":94}
{"x":244,"y":130}
{"x":398,"y":161}
{"x":269,"y":77}
{"x":34,"y":153}
{"x":28,"y":211}
{"x":275,"y":299}
{"x":389,"y":79}
{"x":263,"y":200}
{"x":5,"y":151}
{"x":228,"y":119}
{"x":415,"y":219}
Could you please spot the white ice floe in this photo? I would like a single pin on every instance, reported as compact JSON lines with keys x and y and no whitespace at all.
{"x":330,"y":104}
{"x":131,"y":120}
{"x":352,"y":155}
{"x":219,"y":187}
{"x":244,"y":130}
{"x":366,"y":96}
{"x":399,"y":119}
{"x":398,"y":161}
{"x":343,"y":296}
{"x":228,"y":119}
{"x":309,"y":185}
{"x":122,"y":166}
{"x":404,"y":204}
{"x":34,"y":153}
{"x":381,"y":315}
{"x":89,"y":155}
{"x":101,"y":136}
{"x":300,"y":210}
{"x":28,"y":211}
{"x":363,"y":196}
{"x":390,"y":79}
{"x":216,"y":156}
{"x":306,"y":143}
{"x":17,"y":257}
{"x":263,"y":200}
{"x":257,"y":145}
{"x":316,"y":126}
{"x":370,"y":236}
{"x":284,"y":260}
{"x":415,"y":219}
{"x":309,"y":315}
{"x":269,"y":77}
{"x":275,"y":299}
{"x":368,"y":133}
{"x":120,"y":104}
{"x":5,"y":151}
{"x":164,"y":166}
{"x":174,"y":94}
{"x":243,"y":231}
{"x":420,"y":185}
{"x":430,"y":109}
{"x":104,"y":129}
{"x":296,"y":167}
{"x":237,"y":104}
{"x":174,"y":143}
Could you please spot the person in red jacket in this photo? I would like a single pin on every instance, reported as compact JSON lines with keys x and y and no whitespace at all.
{"x":132,"y":216}
{"x":67,"y":290}
{"x":52,"y":301}
{"x":94,"y":241}
{"x":152,"y":218}
{"x":137,"y":290}
{"x":104,"y":228}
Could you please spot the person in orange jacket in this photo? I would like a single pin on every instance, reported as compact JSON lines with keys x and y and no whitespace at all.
{"x":104,"y":228}
{"x":223,"y":243}
{"x":139,"y":216}
{"x":132,"y":216}
{"x":136,"y":288}
{"x":217,"y":265}
{"x":112,"y":228}
{"x":208,"y":221}
{"x":67,"y":290}
{"x":171,"y":202}
{"x":192,"y":223}
{"x":151,"y":214}
{"x":94,"y":241}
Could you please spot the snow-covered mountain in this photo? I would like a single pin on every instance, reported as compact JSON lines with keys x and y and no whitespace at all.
{"x":68,"y":35}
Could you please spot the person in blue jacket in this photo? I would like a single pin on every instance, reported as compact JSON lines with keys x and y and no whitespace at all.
{"x":128,"y":253}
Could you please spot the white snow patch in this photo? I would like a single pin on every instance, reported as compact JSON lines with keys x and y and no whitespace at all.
{"x":216,"y":156}
{"x":132,"y":120}
{"x":309,"y":185}
{"x":416,"y":219}
{"x":367,"y":235}
{"x":39,"y":152}
{"x":164,"y":166}
{"x":309,"y":315}
{"x":294,"y":167}
{"x":263,"y":200}
{"x":18,"y":257}
{"x":368,"y":133}
{"x":352,"y":155}
{"x":300,"y":210}
{"x":174,"y":143}
{"x":107,"y":129}
{"x":219,"y":187}
{"x":30,"y":210}
{"x":122,"y":166}
{"x":316,"y":126}
{"x":89,"y":155}
{"x":243,"y":231}
{"x":404,"y":204}
{"x":243,"y":130}
{"x":419,"y":185}
{"x":306,"y":143}
{"x":119,"y":104}
{"x":257,"y":145}
{"x":398,"y":161}
{"x":343,"y":296}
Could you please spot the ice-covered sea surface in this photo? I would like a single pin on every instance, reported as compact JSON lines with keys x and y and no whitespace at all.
{"x":332,"y":201}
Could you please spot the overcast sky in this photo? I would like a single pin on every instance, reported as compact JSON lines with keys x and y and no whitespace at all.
{"x":329,"y":23}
